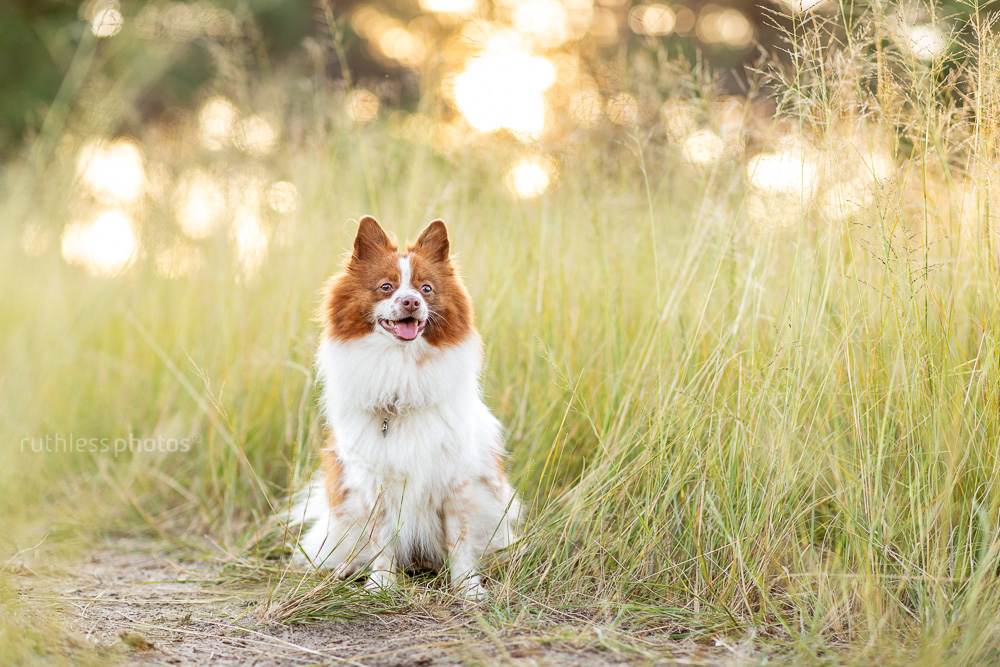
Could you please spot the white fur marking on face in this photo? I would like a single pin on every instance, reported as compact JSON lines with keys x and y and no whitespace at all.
{"x":405,"y":273}
{"x":391,"y":308}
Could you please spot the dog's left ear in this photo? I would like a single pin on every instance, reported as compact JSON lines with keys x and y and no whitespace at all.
{"x":433,"y":242}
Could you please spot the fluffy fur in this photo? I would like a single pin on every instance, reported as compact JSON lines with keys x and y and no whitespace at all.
{"x":412,"y":473}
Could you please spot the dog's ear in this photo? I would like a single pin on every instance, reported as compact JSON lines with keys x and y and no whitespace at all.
{"x":370,"y":241}
{"x":433,"y":242}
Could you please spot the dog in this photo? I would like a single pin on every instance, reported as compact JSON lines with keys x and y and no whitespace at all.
{"x":412,"y":473}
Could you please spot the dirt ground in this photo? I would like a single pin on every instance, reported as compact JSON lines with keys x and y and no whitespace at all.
{"x":129,"y":601}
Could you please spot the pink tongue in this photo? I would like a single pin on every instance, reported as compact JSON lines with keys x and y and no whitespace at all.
{"x":406,"y":329}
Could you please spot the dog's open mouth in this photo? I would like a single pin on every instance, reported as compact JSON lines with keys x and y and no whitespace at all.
{"x":405,"y":329}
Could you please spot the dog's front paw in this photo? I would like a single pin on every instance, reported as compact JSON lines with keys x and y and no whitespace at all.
{"x":472,"y":590}
{"x":476,"y":593}
{"x":381,"y":580}
{"x":345,"y":571}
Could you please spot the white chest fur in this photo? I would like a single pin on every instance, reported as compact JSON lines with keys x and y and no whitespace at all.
{"x":407,"y":417}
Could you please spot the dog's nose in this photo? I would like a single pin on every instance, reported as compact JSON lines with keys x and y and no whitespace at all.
{"x":410,"y":303}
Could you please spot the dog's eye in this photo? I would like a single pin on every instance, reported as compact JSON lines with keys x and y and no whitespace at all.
{"x":426,"y":289}
{"x":386,"y":287}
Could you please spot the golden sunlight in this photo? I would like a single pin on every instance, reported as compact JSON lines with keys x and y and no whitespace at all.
{"x":217,"y":123}
{"x":105,"y":246}
{"x":362,"y":106}
{"x":623,"y":109}
{"x":107,"y":22}
{"x":545,"y":21}
{"x":703,"y":148}
{"x":504,"y":88}
{"x":114,"y":172}
{"x":729,"y":26}
{"x":586,"y":106}
{"x":653,"y":20}
{"x":802,"y":6}
{"x":604,"y":26}
{"x":679,"y":119}
{"x":530,"y":177}
{"x":787,"y":172}
{"x":781,"y":185}
{"x":250,"y":239}
{"x":388,"y":37}
{"x":926,"y":42}
{"x":458,"y":7}
{"x":859,"y":172}
{"x":256,"y":135}
{"x":201,"y":203}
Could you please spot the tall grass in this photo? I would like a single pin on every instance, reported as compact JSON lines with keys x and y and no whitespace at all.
{"x":732,"y":412}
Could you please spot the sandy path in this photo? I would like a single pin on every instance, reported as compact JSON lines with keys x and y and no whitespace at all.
{"x":129,"y":600}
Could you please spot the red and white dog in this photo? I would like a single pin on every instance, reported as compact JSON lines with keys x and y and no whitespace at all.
{"x":412,"y":473}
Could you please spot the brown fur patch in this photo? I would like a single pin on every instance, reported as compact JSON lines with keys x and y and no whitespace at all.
{"x":433,"y":242}
{"x":499,"y":467}
{"x":333,"y":477}
{"x":455,"y":507}
{"x":348,"y":309}
{"x":371,"y":240}
{"x":450,"y":320}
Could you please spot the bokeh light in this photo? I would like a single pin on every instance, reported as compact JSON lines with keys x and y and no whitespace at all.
{"x":604,"y":26}
{"x":781,"y":184}
{"x":283,"y":197}
{"x":402,"y":46}
{"x":104,"y":246}
{"x":586,"y":107}
{"x":926,"y":42}
{"x":803,"y":6}
{"x":256,"y":135}
{"x":362,"y":106}
{"x":504,"y":88}
{"x":201,"y":203}
{"x":217,"y":120}
{"x":389,"y":39}
{"x":684,"y":20}
{"x":724,"y":25}
{"x":786,"y":172}
{"x":623,"y":109}
{"x":544,"y":21}
{"x":113,"y":171}
{"x":107,"y":22}
{"x":703,"y":148}
{"x":679,"y":119}
{"x":530,"y":177}
{"x":455,"y":7}
{"x":250,"y":240}
{"x":653,"y":20}
{"x":856,"y":178}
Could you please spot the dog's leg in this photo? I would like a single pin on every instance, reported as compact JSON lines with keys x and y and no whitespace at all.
{"x":465,"y":577}
{"x":382,"y":574}
{"x":467,"y":537}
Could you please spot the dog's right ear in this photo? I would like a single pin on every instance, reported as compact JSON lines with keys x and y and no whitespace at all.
{"x":370,"y":241}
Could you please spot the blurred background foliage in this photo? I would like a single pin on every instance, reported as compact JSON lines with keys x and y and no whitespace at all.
{"x":397,"y":49}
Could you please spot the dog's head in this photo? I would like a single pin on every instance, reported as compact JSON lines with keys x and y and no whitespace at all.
{"x":402,"y":296}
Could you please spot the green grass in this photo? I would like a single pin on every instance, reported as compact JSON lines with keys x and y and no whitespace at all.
{"x":722,"y":428}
